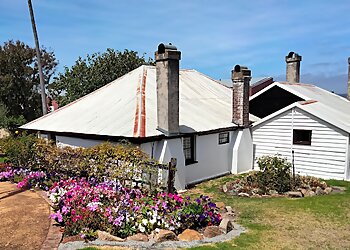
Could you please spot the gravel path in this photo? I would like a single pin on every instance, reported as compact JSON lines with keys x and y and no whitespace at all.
{"x":24,"y":218}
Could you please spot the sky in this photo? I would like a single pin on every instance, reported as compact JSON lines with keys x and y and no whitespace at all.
{"x":213,"y":36}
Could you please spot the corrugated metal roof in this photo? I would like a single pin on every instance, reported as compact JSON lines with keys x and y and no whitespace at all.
{"x":327,"y":106}
{"x":253,"y":82}
{"x":127,"y":107}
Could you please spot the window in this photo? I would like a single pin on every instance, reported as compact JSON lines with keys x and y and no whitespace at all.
{"x":302,"y":137}
{"x":224,"y":138}
{"x":189,"y":149}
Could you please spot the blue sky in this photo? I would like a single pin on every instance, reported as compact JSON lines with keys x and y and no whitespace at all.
{"x":212,"y":35}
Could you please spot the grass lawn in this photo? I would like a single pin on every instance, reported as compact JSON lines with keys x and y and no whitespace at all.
{"x":321,"y":222}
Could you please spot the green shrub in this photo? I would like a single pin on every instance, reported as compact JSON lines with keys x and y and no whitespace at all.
{"x":19,"y":150}
{"x":275,"y":174}
{"x":123,"y":161}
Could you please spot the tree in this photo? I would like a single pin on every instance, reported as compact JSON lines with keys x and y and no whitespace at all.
{"x":93,"y":72}
{"x":19,"y":80}
{"x":8,"y":121}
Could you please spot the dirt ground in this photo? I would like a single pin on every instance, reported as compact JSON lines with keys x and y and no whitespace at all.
{"x":24,"y":217}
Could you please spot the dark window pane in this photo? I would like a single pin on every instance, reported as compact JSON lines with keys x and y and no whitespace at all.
{"x":302,"y":137}
{"x":188,"y":148}
{"x":224,"y":138}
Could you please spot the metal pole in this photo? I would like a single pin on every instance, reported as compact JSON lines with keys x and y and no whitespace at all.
{"x":293,"y":168}
{"x":41,"y":76}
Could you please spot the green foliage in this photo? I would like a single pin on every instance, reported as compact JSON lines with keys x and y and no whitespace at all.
{"x":275,"y":174}
{"x":8,"y":121}
{"x":19,"y":81}
{"x":123,"y":161}
{"x":19,"y":150}
{"x":93,"y":72}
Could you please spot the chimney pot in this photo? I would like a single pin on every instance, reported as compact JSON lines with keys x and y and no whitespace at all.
{"x":241,"y":77}
{"x":167,"y":73}
{"x":293,"y":67}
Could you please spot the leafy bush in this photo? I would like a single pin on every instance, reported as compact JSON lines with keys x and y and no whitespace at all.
{"x":123,"y":161}
{"x":275,"y":174}
{"x":19,"y":150}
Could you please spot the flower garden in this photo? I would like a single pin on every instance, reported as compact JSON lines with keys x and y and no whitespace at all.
{"x":96,"y":198}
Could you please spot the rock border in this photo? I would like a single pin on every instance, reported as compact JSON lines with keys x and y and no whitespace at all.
{"x":54,"y":235}
{"x":299,"y":193}
{"x":237,"y":230}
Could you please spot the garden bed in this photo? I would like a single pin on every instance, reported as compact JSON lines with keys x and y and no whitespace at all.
{"x":277,"y":180}
{"x":109,"y":211}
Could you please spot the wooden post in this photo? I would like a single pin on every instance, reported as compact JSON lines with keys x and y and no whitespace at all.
{"x":171,"y":175}
{"x":41,"y":76}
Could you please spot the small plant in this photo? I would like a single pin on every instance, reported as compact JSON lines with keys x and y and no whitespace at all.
{"x":275,"y":174}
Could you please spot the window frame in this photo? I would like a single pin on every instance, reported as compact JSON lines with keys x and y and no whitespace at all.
{"x":221,"y":142}
{"x":302,"y":142}
{"x":192,"y":148}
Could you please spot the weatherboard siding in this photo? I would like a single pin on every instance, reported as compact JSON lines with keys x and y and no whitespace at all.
{"x":326,"y":157}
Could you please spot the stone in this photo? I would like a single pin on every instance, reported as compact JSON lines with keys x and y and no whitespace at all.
{"x":337,"y":189}
{"x":165,"y":235}
{"x":309,"y":193}
{"x":220,"y":205}
{"x":138,"y":237}
{"x":256,"y":191}
{"x":229,"y":209}
{"x":67,"y":239}
{"x":226,"y":225}
{"x":273,"y":192}
{"x":303,"y":191}
{"x":323,"y":184}
{"x":319,"y":191}
{"x":295,"y":194}
{"x":243,"y":195}
{"x":190,"y":235}
{"x":224,"y":188}
{"x":212,"y":231}
{"x":327,"y":190}
{"x":102,"y":235}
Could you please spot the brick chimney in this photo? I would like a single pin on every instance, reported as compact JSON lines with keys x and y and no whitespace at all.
{"x":167,"y":67}
{"x":349,"y":78}
{"x":241,"y":77}
{"x":293,"y":67}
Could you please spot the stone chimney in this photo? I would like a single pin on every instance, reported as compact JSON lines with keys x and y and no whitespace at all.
{"x":241,"y":77}
{"x":349,"y":78}
{"x":293,"y":67}
{"x":167,"y":67}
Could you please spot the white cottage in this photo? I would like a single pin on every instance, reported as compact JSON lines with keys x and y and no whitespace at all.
{"x":312,"y":129}
{"x":169,"y":113}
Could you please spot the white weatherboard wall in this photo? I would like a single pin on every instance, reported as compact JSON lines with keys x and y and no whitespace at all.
{"x":326,"y":157}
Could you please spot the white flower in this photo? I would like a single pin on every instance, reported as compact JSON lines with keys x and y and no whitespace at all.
{"x":144,"y":222}
{"x":157,"y":230}
{"x":142,"y":229}
{"x":153,"y":221}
